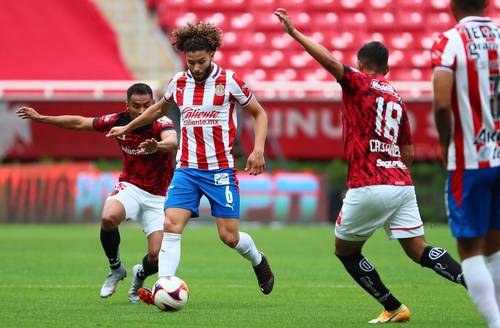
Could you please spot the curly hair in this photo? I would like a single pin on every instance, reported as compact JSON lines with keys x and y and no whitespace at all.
{"x":471,"y":5}
{"x":199,"y":36}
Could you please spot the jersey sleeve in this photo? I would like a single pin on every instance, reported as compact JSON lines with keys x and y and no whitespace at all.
{"x":442,"y":54}
{"x":239,"y":91}
{"x":106,"y":122}
{"x":164,"y":123}
{"x":169,"y":93}
{"x":352,"y":80}
{"x":405,"y":137}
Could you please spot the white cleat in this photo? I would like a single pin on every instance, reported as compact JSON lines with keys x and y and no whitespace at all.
{"x":137,"y":284}
{"x":114,"y":276}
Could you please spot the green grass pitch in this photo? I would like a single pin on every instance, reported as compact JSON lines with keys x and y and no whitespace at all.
{"x":50,"y":276}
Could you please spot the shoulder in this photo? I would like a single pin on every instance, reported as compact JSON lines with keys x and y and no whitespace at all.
{"x":178,"y":76}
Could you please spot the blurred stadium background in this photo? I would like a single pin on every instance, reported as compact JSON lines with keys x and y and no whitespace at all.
{"x":79,"y":57}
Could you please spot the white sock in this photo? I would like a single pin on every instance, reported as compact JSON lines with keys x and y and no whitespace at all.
{"x":247,"y":249}
{"x":481,"y":289}
{"x":170,"y":254}
{"x":494,"y":267}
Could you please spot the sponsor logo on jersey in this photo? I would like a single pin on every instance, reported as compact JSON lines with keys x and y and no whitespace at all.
{"x":390,"y":164}
{"x":191,"y":116}
{"x":131,"y":151}
{"x":384,"y":87}
{"x":220,"y":89}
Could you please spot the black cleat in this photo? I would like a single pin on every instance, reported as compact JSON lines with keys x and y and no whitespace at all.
{"x":264,"y":275}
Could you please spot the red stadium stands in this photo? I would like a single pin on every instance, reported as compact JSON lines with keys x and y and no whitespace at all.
{"x":66,"y":40}
{"x":254,"y":40}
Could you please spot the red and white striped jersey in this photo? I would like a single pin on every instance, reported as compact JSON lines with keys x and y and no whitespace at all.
{"x":208,"y":117}
{"x":471,"y":51}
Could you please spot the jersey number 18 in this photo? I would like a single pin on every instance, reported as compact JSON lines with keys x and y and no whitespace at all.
{"x":389,"y":123}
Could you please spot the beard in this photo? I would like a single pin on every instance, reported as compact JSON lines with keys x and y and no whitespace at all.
{"x":205,"y":75}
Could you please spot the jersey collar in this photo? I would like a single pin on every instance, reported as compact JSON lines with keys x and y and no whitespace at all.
{"x":475,"y":19}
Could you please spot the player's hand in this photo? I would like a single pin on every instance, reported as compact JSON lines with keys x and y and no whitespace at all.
{"x":28,"y":113}
{"x":116,"y":131}
{"x":285,"y":20}
{"x":255,"y":163}
{"x":149,"y":146}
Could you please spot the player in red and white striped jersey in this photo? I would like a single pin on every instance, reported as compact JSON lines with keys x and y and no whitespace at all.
{"x":467,"y":111}
{"x":207,"y":97}
{"x":208,"y":117}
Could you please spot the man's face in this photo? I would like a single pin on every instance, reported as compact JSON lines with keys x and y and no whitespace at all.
{"x":137,"y":104}
{"x":199,"y":63}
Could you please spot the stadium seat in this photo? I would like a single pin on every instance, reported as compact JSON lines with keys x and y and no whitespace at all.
{"x":356,"y":5}
{"x":407,"y":27}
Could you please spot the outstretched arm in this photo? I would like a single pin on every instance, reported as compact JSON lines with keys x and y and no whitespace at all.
{"x":151,"y":114}
{"x":256,"y":162}
{"x":316,"y":50}
{"x":73,"y":122}
{"x":167,"y":144}
{"x":443,"y":85}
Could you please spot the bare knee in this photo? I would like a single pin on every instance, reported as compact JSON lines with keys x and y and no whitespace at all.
{"x":173,"y":226}
{"x":230,"y":239}
{"x":110,"y":222}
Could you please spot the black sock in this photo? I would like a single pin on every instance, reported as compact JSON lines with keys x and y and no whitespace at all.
{"x":148,"y":268}
{"x":367,"y":277}
{"x":110,"y":241}
{"x":440,"y":261}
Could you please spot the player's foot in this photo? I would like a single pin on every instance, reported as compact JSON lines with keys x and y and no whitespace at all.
{"x":264,"y":275}
{"x":145,"y":296}
{"x":114,"y":276}
{"x":401,"y":314}
{"x":137,"y":283}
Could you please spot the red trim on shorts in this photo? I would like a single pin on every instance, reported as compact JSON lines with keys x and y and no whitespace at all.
{"x":412,"y":228}
{"x":457,"y":186}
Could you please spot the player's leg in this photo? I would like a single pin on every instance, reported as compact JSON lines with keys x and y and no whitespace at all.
{"x":493,"y":258}
{"x":365,"y":274}
{"x":122,"y":203}
{"x":176,"y":220}
{"x":151,"y":222}
{"x":406,"y":226}
{"x":169,"y":256}
{"x":243,"y":243}
{"x":221,"y":189}
{"x":148,"y":267}
{"x":182,"y":203}
{"x":469,"y":202}
{"x":363,"y":211}
{"x":492,"y":250}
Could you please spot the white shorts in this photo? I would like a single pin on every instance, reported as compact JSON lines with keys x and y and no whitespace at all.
{"x":366,"y":209}
{"x":140,"y":206}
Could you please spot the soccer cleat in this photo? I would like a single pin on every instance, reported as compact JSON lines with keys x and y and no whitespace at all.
{"x":137,"y":283}
{"x":401,"y":314}
{"x":114,"y":276}
{"x":145,"y":296}
{"x":264,"y":275}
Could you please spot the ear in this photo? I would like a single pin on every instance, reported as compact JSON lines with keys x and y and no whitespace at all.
{"x":386,"y":70}
{"x":212,"y":55}
{"x":360,"y":65}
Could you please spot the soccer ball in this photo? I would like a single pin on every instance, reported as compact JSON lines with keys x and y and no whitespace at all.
{"x":170,"y":293}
